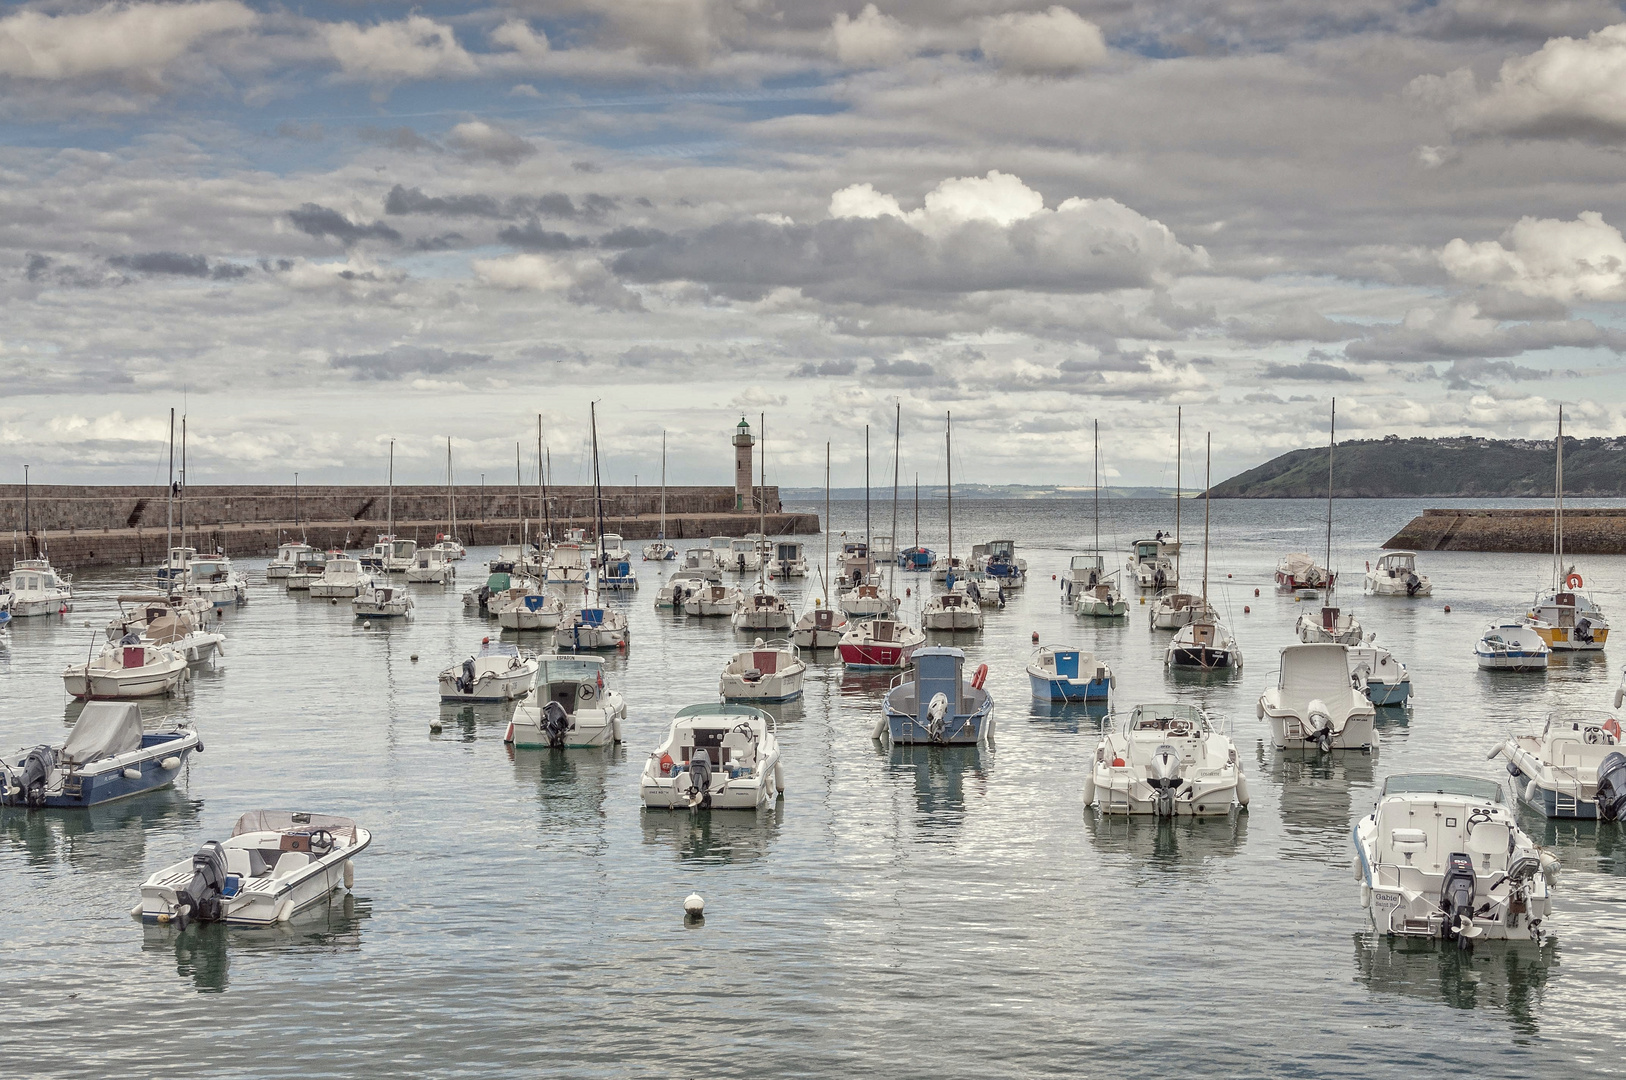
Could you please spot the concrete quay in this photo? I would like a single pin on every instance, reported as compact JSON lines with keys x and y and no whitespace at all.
{"x":1587,"y":531}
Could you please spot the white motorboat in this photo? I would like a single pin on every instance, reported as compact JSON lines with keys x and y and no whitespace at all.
{"x":108,"y":755}
{"x":382,"y":602}
{"x":37,"y":589}
{"x":589,"y":628}
{"x":1396,"y":575}
{"x":770,"y":671}
{"x":1204,"y":643}
{"x":1071,"y":675}
{"x":498,"y":672}
{"x":342,"y":578}
{"x":744,"y":557}
{"x":1314,"y":703}
{"x":213,"y":578}
{"x":677,"y":589}
{"x":172,"y":621}
{"x":659,"y":551}
{"x":1100,"y":601}
{"x":567,"y":567}
{"x":527,"y":608}
{"x":866,"y":600}
{"x":1329,"y":624}
{"x":953,"y":610}
{"x":1443,"y":857}
{"x":1169,"y":761}
{"x":1001,"y":562}
{"x":432,"y":566}
{"x":390,"y":555}
{"x":1172,"y":610}
{"x":857,"y":564}
{"x":275,"y":864}
{"x":986,"y":591}
{"x":1374,"y":671}
{"x":787,"y":559}
{"x":763,"y":609}
{"x":1153,"y":564}
{"x":174,"y":567}
{"x":1511,"y":646}
{"x":819,"y":627}
{"x":879,"y":643}
{"x":717,"y":757}
{"x":712,"y":600}
{"x":1567,"y":619}
{"x":1573,"y":769}
{"x":126,"y":669}
{"x":944,"y":565}
{"x":1092,"y":591}
{"x":702,"y":563}
{"x":287,"y":557}
{"x":1298,"y":572}
{"x":308,"y":570}
{"x":570,"y":708}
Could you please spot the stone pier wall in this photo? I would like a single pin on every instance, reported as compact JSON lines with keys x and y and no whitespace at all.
{"x":1588,"y":531}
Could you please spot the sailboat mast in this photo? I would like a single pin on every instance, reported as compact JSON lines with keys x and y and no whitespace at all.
{"x":169,"y":515}
{"x":663,"y":485}
{"x":389,"y":501}
{"x":1096,"y":484}
{"x":519,"y":496}
{"x":541,"y":490}
{"x":762,"y":503}
{"x":183,"y":479}
{"x":451,"y":490}
{"x":948,"y":454}
{"x":1208,"y":499}
{"x":298,"y":522}
{"x":897,"y":444}
{"x":826,"y":581}
{"x":1332,"y":440}
{"x":598,"y":490}
{"x":917,"y":511}
{"x":867,"y":540}
{"x":1558,"y":508}
{"x":1179,"y":440}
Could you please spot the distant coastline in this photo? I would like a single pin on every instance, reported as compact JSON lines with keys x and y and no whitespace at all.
{"x":937,"y":492}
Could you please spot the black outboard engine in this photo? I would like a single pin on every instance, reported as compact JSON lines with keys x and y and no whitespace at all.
{"x":1413,"y":583}
{"x":699,"y":778}
{"x":201,"y":898}
{"x":465,"y":681}
{"x":1457,"y":897}
{"x":36,"y":771}
{"x":1612,"y":787}
{"x":1583,"y":630}
{"x":555,"y":723}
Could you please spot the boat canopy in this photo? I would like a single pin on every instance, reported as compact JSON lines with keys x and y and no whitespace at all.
{"x":1309,"y":671}
{"x":1442,"y":784}
{"x":1298,"y":564}
{"x":1398,"y":560}
{"x":716,"y":708}
{"x":284,"y":820}
{"x":105,"y":729}
{"x":568,"y":668}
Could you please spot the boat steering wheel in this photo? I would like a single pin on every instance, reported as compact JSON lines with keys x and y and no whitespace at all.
{"x":321,"y":838}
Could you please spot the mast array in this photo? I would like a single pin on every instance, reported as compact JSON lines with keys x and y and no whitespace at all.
{"x":948,"y":453}
{"x":897,"y":443}
{"x":1332,"y":440}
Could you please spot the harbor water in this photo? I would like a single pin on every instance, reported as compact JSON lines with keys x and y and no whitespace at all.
{"x":912,"y":912}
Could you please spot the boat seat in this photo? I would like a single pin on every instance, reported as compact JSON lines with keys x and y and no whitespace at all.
{"x":244,"y":862}
{"x":290,"y":862}
{"x":1489,"y":841}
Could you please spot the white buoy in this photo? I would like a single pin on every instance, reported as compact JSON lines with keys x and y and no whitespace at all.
{"x":693,"y":906}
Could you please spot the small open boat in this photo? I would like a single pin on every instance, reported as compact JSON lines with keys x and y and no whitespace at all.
{"x":125,"y":669}
{"x":173,"y":621}
{"x":1315,"y":704}
{"x":676,"y":590}
{"x":107,"y":756}
{"x":712,"y":600}
{"x":819,"y":628}
{"x":1172,"y":610}
{"x":1511,"y":646}
{"x":275,"y":864}
{"x":1376,"y":673}
{"x":953,"y":610}
{"x":382,"y":602}
{"x":527,"y":608}
{"x":1167,"y":761}
{"x":763,"y":609}
{"x":1573,"y":769}
{"x":880,"y":643}
{"x":570,"y":708}
{"x":717,"y":757}
{"x":935,"y":704}
{"x":498,"y":672}
{"x":1329,"y":624}
{"x":1057,"y":674}
{"x":770,"y":671}
{"x":589,"y":628}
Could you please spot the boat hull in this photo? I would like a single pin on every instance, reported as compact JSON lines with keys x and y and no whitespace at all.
{"x":960,"y":730}
{"x":27,"y":609}
{"x":589,"y":638}
{"x":1091,"y":607}
{"x":1388,"y":693}
{"x":585,"y":733}
{"x":876,"y":655}
{"x":1288,"y":733}
{"x":123,"y":687}
{"x":1048,"y":689}
{"x":1560,"y":639}
{"x":951,"y":619}
{"x":334,"y":591}
{"x":1511,"y":661}
{"x":1205,"y":657}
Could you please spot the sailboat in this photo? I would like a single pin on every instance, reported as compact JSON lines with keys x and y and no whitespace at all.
{"x":917,"y":558}
{"x":1205,"y":642}
{"x":390,"y":555}
{"x":450,"y":547}
{"x":660,"y":550}
{"x":861,"y":596}
{"x":762,"y":608}
{"x":1564,"y":616}
{"x":1173,"y":609}
{"x":885,"y":641}
{"x":595,"y":626}
{"x":1330,"y":624}
{"x":1094,"y":591}
{"x":961,"y":607}
{"x":821,"y":625}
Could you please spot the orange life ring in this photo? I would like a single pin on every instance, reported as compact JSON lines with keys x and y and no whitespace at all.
{"x":666,"y":764}
{"x":1612,"y":726}
{"x":1573,"y":581}
{"x":980,"y":677}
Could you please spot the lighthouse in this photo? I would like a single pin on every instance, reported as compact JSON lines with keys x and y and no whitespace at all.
{"x":743,"y":441}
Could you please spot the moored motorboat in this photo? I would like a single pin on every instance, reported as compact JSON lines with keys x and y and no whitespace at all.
{"x":767,"y":671}
{"x":275,"y":864}
{"x":762,"y":609}
{"x":108,"y":755}
{"x":1153,"y":564}
{"x":615,"y":571}
{"x":951,"y":611}
{"x":498,"y":672}
{"x":659,"y":551}
{"x":342,"y":578}
{"x":432,"y":566}
{"x":213,"y":579}
{"x":881,"y":642}
{"x":1204,"y":643}
{"x":787,"y":559}
{"x":866,"y":600}
{"x":37,"y":589}
{"x":307,"y":571}
{"x":712,"y":600}
{"x":527,"y":608}
{"x":702,"y":563}
{"x":1314,"y":703}
{"x":1000,"y":562}
{"x":675,"y":590}
{"x":1329,"y":624}
{"x":1172,"y":610}
{"x":820,"y":627}
{"x":1396,"y":575}
{"x":1511,"y":646}
{"x":715,"y":757}
{"x":1172,"y":760}
{"x":591,"y":627}
{"x":1298,"y":571}
{"x":567,"y":567}
{"x":1061,"y":674}
{"x":1573,"y":769}
{"x":382,"y":602}
{"x":1443,"y":857}
{"x":935,"y":704}
{"x":1567,"y":619}
{"x":570,"y":707}
{"x":173,"y":621}
{"x":287,"y":557}
{"x":1376,"y":673}
{"x":125,"y":669}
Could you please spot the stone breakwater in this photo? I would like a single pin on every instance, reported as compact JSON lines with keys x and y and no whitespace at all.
{"x":1588,"y":531}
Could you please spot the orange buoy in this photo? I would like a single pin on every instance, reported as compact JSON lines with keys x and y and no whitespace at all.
{"x":1036,"y":637}
{"x":1256,"y":592}
{"x":1246,"y":610}
{"x":1448,"y":609}
{"x":485,"y":641}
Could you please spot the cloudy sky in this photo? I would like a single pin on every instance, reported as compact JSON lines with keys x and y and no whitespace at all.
{"x":316,"y":227}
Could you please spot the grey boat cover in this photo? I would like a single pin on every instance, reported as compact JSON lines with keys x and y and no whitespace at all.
{"x":105,"y":729}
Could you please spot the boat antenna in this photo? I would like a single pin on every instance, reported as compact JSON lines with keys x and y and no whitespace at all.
{"x":598,"y":496}
{"x":762,"y":503}
{"x":948,"y":454}
{"x":826,"y":580}
{"x":663,"y":485}
{"x":1332,"y":440}
{"x":169,"y":518}
{"x":1208,"y":499}
{"x":897,"y":443}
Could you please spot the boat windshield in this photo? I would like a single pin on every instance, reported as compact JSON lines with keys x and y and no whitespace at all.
{"x":713,"y":708}
{"x":1159,"y":717}
{"x":1088,"y":562}
{"x":1147,"y":549}
{"x":498,"y":648}
{"x":1442,"y":784}
{"x":283,"y":820}
{"x":569,"y":669}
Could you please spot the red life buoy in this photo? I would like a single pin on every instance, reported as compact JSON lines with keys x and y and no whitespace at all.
{"x":980,"y":677}
{"x":666,"y":764}
{"x":1573,"y":581}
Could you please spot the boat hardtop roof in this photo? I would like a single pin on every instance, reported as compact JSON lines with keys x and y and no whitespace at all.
{"x":723,"y":709}
{"x":1087,"y":562}
{"x":1442,"y":784}
{"x":1312,"y":668}
{"x":258,"y":821}
{"x":105,"y":729}
{"x":726,"y":542}
{"x":1397,"y":558}
{"x":556,"y":668}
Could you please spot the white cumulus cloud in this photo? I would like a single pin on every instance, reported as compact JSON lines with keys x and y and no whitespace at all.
{"x":412,"y":48}
{"x":871,"y":40}
{"x":114,"y":39}
{"x":1568,"y":87}
{"x":1584,"y":259}
{"x":1054,"y":42}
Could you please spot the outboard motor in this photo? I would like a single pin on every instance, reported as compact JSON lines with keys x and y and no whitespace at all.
{"x":1583,"y":629}
{"x":201,"y":898}
{"x":465,"y":681}
{"x":1413,"y":583}
{"x":937,"y":717}
{"x":1457,"y":898}
{"x":1165,"y":777}
{"x":1318,"y":723}
{"x":699,"y":778}
{"x":555,"y":723}
{"x":1612,"y":787}
{"x":36,"y":771}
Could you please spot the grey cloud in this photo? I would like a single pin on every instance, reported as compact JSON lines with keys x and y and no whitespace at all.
{"x":320,"y":221}
{"x":1311,"y":371}
{"x":396,"y":138}
{"x":177,"y":264}
{"x":404,"y":360}
{"x":1472,"y":374}
{"x":404,"y":200}
{"x":311,"y":132}
{"x":532,"y":237}
{"x":444,"y":242}
{"x":1299,"y":324}
{"x":903,"y":369}
{"x":1441,"y":337}
{"x":631,"y":236}
{"x":828,"y":367}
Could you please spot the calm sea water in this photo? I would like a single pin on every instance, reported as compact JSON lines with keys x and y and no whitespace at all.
{"x":918,"y":912}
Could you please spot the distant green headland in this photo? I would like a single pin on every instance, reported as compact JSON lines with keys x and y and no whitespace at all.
{"x":937,"y":492}
{"x":1437,"y":468}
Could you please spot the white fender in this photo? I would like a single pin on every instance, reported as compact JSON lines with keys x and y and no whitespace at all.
{"x":879,"y":731}
{"x":286,"y":911}
{"x":1089,"y":788}
{"x":779,"y":776}
{"x":349,"y":874}
{"x":135,"y":912}
{"x":1531,"y":791}
{"x":1241,"y":790}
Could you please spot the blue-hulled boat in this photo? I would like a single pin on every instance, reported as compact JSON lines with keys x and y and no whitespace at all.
{"x":917,"y":559}
{"x":1001,"y":563}
{"x":1069,"y":675}
{"x":934,"y":703}
{"x":107,"y":756}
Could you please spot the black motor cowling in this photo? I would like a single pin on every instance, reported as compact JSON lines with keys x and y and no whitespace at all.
{"x":201,"y":898}
{"x":1413,"y":583}
{"x":36,"y":772}
{"x":1457,"y":895}
{"x":699,"y":778}
{"x":465,"y":681}
{"x":1612,"y":787}
{"x":555,"y":723}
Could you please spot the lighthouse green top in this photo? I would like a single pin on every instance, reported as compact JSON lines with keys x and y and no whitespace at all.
{"x":743,"y":425}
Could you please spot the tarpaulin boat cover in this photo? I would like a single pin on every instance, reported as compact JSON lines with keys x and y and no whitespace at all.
{"x":105,"y":729}
{"x":1301,"y":566}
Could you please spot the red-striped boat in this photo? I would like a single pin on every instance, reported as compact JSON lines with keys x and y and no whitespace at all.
{"x":880,"y":643}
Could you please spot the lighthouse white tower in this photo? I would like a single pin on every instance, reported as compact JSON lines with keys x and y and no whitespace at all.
{"x":743,"y":441}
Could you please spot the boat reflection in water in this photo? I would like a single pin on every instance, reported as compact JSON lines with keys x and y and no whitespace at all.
{"x":1069,"y":717}
{"x":942,"y":777}
{"x":1319,"y":795}
{"x":467,"y":722}
{"x":715,"y":837}
{"x":1508,"y":977}
{"x":204,"y":952}
{"x":1583,"y":846}
{"x":110,"y":837}
{"x":1167,"y":844}
{"x":1393,"y":722}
